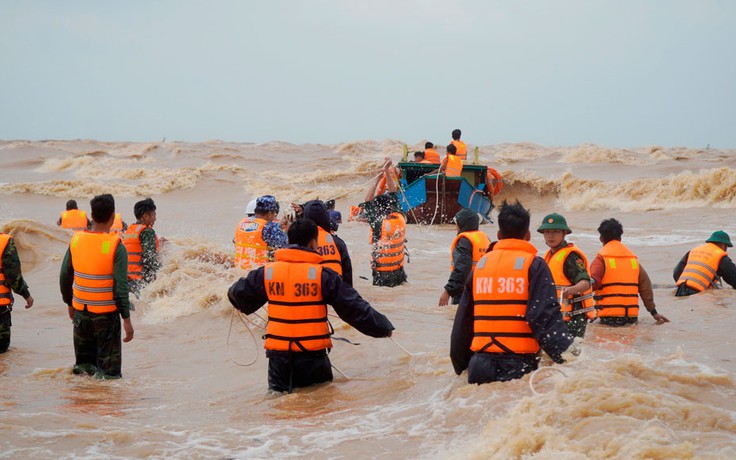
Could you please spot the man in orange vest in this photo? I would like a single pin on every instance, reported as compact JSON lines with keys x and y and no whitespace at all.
{"x":430,"y":154}
{"x":462,"y":149}
{"x":73,"y":218}
{"x":11,"y":280}
{"x":142,"y":246}
{"x":509,"y":310}
{"x":619,"y":280}
{"x":452,"y":165}
{"x":569,"y":268}
{"x":298,"y":289}
{"x":94,"y":284}
{"x":469,"y":246}
{"x":703,"y":267}
{"x":331,"y":247}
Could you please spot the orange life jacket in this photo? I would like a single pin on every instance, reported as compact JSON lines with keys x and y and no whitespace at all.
{"x":354,"y":212}
{"x":454,"y":166}
{"x":327,"y":248}
{"x":381,"y":187}
{"x":432,"y":156}
{"x":74,"y":219}
{"x":556,"y":263}
{"x":6,"y":297}
{"x":388,"y":253}
{"x":501,"y":293}
{"x":93,"y":257}
{"x":251,"y":249}
{"x":132,"y":242}
{"x":701,"y":270}
{"x":462,"y":149}
{"x":297,"y":313}
{"x":618,"y":295}
{"x":478,"y":239}
{"x":117,"y":225}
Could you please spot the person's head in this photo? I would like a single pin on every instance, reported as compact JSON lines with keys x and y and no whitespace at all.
{"x":330,"y":205}
{"x":720,"y":239}
{"x":554,"y":228}
{"x":466,"y":220}
{"x":385,"y":205}
{"x":71,"y":204}
{"x":513,"y":221}
{"x":456,"y":133}
{"x":145,"y":212}
{"x":103,"y":208}
{"x":418,"y":156}
{"x":610,"y":229}
{"x":267,"y":207}
{"x":428,"y":145}
{"x":303,"y":232}
{"x":451,"y":149}
{"x":316,"y":211}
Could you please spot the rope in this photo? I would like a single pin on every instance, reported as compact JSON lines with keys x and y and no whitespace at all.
{"x":228,"y":339}
{"x":339,"y":371}
{"x":531,"y":379}
{"x":399,"y":345}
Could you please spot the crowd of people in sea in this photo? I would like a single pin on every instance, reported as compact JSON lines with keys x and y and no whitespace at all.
{"x":511,"y":303}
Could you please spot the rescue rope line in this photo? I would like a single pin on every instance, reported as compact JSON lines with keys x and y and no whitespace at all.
{"x":340,"y":372}
{"x":229,"y":330}
{"x":531,"y":379}
{"x":402,"y":348}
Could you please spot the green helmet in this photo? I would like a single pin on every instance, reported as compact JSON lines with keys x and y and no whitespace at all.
{"x":554,"y":221}
{"x":720,"y":237}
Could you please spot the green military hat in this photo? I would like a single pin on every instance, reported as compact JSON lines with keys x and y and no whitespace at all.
{"x":720,"y":237}
{"x":554,"y":221}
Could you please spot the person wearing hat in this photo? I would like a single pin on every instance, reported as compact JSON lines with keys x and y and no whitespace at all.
{"x":467,"y":248}
{"x":569,"y":268}
{"x":256,"y":237}
{"x":619,"y":280}
{"x":703,"y":267}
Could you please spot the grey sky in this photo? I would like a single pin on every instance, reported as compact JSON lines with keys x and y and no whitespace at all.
{"x":616,"y":73}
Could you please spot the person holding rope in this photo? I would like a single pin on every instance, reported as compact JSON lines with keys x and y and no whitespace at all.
{"x":297,"y":288}
{"x":569,"y":268}
{"x":704,"y":267}
{"x":509,"y":310}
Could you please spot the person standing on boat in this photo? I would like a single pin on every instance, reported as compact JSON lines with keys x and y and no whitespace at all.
{"x":462,"y":149}
{"x":387,"y":231}
{"x":430,"y":154}
{"x":703,"y":267}
{"x":469,"y":246}
{"x":619,"y":280}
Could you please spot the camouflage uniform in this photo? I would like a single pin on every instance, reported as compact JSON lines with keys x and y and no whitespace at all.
{"x":14,"y":280}
{"x":575,"y":270}
{"x":97,"y":337}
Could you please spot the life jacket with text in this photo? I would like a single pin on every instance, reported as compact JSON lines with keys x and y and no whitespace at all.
{"x":251,"y":250}
{"x":454,"y":166}
{"x":478,"y":239}
{"x":556,"y":263}
{"x":701,"y":270}
{"x":327,"y":248}
{"x":501,"y":293}
{"x":618,"y":295}
{"x":6,"y":297}
{"x":132,"y":242}
{"x":297,"y":313}
{"x":432,"y":156}
{"x":74,"y":219}
{"x":462,"y":149}
{"x":117,"y":225}
{"x":388,"y":252}
{"x":93,"y":258}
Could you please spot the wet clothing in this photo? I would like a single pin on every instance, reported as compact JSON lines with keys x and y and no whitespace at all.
{"x":542,"y":316}
{"x":97,"y":336}
{"x":316,"y":211}
{"x":726,"y":270}
{"x":12,"y":281}
{"x":289,"y":369}
{"x":375,"y":211}
{"x":274,"y":236}
{"x":574,"y":270}
{"x":149,"y":261}
{"x":335,"y":219}
{"x":462,"y":254}
{"x":74,"y":219}
{"x":644,"y":287}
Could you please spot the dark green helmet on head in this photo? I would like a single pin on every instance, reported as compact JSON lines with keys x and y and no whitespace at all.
{"x":554,"y":221}
{"x":720,"y":237}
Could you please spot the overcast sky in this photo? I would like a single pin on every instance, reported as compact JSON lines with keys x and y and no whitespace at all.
{"x":620,"y":73}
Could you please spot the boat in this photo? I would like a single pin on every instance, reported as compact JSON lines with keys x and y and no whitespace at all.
{"x":432,"y":198}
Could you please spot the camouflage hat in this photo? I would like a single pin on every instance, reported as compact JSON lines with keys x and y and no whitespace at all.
{"x":720,"y":237}
{"x":554,"y":221}
{"x":267,"y":203}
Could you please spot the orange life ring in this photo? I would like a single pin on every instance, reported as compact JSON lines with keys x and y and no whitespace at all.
{"x":494,"y":181}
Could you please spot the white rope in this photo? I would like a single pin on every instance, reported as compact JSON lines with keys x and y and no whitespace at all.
{"x":531,"y":379}
{"x":228,"y":340}
{"x":402,"y":348}
{"x":341,"y":372}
